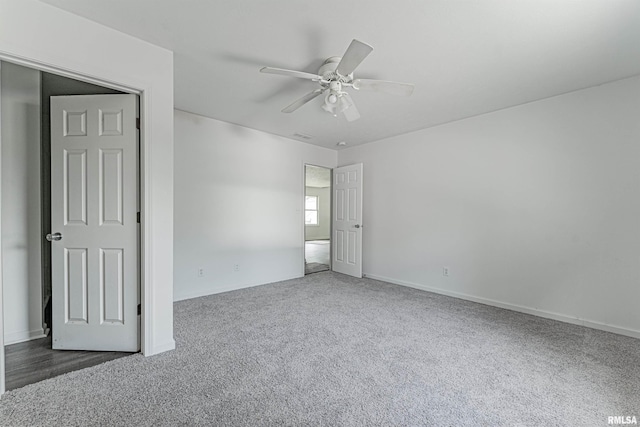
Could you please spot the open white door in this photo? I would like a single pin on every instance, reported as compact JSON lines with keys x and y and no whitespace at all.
{"x":347,"y":220}
{"x":94,"y":254}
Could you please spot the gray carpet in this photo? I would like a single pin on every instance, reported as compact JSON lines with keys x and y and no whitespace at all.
{"x":331,"y":350}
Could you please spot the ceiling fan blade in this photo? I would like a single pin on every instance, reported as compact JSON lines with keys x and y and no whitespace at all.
{"x":300,"y":102}
{"x":290,"y":73}
{"x":355,"y":54}
{"x":351,"y":113}
{"x":394,"y":88}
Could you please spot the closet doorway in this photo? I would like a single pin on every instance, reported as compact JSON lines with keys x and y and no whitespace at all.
{"x":26,"y":214}
{"x":317,"y":219}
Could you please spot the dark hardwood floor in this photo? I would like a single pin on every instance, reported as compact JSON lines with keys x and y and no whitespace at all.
{"x":33,"y":361}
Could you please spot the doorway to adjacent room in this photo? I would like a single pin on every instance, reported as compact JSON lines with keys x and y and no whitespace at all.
{"x":317,"y":219}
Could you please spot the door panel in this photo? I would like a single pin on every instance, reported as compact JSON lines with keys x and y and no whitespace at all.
{"x":94,"y":158}
{"x":112,"y":285}
{"x":75,"y":285}
{"x":111,"y":191}
{"x":75,"y":184}
{"x":347,"y":220}
{"x":339,"y":246}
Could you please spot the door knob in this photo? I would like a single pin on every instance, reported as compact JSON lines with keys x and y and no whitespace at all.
{"x":357,"y":226}
{"x":54,"y":236}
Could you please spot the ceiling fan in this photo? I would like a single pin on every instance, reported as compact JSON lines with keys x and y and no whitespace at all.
{"x":334,"y":76}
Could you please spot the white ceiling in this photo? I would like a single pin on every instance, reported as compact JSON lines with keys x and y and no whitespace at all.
{"x":465,"y":57}
{"x":316,"y":176}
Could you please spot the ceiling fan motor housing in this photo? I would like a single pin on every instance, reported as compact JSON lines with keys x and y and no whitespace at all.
{"x":328,"y":71}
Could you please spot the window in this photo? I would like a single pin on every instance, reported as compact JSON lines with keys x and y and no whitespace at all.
{"x":311,"y":210}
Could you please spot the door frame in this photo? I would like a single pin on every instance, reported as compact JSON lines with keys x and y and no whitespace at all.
{"x":1,"y":270}
{"x":304,"y":229}
{"x":144,"y":267}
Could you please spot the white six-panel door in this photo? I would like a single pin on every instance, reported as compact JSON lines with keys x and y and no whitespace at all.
{"x":347,"y":220}
{"x":94,"y":157}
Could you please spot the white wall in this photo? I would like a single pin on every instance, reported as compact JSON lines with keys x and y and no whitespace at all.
{"x":535,"y":207}
{"x":239,"y":199}
{"x":322,"y":231}
{"x":21,"y":232}
{"x":40,"y":34}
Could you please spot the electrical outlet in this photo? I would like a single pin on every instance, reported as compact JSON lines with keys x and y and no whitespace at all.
{"x":201,"y":272}
{"x":236,"y":267}
{"x":445,"y":271}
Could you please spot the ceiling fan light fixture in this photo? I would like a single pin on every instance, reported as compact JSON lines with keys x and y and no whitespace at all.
{"x":343,"y":103}
{"x":331,"y":104}
{"x":328,"y":107}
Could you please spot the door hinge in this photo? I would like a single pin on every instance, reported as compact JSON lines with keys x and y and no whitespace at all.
{"x":137,"y":122}
{"x":139,"y":309}
{"x":138,"y":217}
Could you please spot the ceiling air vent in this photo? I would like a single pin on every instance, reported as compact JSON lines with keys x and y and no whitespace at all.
{"x":302,"y":136}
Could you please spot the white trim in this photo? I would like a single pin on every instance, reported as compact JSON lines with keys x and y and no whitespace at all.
{"x":230,"y":288}
{"x":171,"y":345}
{"x":22,"y":336}
{"x":42,"y":66}
{"x":303,"y":220}
{"x":1,"y":273}
{"x":146,"y":301}
{"x":513,"y":307}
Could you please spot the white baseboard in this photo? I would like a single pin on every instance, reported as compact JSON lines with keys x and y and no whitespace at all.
{"x":514,"y":307}
{"x":228,"y":288}
{"x":157,"y":349}
{"x":22,"y":336}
